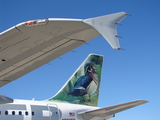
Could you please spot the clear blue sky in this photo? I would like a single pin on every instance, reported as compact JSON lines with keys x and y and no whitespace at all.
{"x":130,"y":74}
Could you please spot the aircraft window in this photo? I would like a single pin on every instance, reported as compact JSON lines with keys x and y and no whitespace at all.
{"x":6,"y":112}
{"x":13,"y":112}
{"x":20,"y":113}
{"x":32,"y":113}
{"x":0,"y":112}
{"x":26,"y":113}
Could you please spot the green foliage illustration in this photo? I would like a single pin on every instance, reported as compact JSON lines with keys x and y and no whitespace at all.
{"x":83,"y":86}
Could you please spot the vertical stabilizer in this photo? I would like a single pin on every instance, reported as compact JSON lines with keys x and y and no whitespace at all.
{"x":83,"y":86}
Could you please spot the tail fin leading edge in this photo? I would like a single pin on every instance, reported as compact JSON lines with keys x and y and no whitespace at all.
{"x":83,"y":86}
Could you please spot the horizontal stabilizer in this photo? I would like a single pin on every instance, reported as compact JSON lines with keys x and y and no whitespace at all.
{"x":5,"y":99}
{"x":111,"y":110}
{"x":106,"y":26}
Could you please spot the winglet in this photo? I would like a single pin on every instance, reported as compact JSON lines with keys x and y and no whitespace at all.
{"x":106,"y":26}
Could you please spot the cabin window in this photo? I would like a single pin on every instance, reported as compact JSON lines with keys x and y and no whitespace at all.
{"x":6,"y":112}
{"x":32,"y":113}
{"x":13,"y":112}
{"x":26,"y":113}
{"x":20,"y":113}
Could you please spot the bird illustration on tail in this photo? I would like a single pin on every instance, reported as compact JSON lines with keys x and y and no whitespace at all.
{"x":86,"y":84}
{"x":83,"y":85}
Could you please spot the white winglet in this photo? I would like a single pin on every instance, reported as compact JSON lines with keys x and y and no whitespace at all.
{"x":106,"y":26}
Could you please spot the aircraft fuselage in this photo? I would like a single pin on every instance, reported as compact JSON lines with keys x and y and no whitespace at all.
{"x":41,"y":110}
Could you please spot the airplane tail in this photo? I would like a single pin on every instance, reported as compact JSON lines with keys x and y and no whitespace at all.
{"x":83,"y":86}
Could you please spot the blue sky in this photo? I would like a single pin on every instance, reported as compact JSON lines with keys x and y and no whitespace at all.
{"x":128,"y":74}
